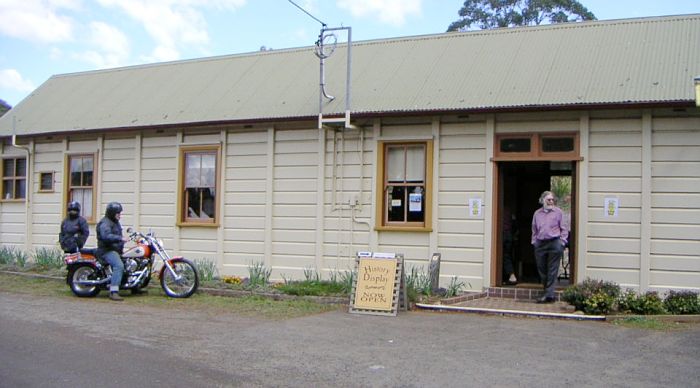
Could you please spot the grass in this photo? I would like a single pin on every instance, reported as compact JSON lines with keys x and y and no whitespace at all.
{"x":250,"y":306}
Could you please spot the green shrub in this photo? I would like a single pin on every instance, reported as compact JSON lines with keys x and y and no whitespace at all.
{"x":312,"y":287}
{"x":417,"y":283}
{"x":682,"y":302}
{"x":49,"y":258}
{"x":599,"y":303}
{"x":648,"y":304}
{"x":577,"y":294}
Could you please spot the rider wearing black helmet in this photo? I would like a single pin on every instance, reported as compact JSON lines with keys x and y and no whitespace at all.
{"x":110,"y":245}
{"x":74,"y":229}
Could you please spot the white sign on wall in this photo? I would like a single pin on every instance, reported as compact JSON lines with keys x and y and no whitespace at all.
{"x":475,"y":207}
{"x":611,"y":207}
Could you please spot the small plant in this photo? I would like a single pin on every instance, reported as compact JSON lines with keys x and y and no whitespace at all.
{"x":418,"y":283}
{"x":577,"y":294}
{"x":682,"y":302}
{"x":454,"y":288}
{"x":7,"y":255}
{"x":346,"y":279}
{"x":312,"y":274}
{"x":48,"y":258}
{"x":207,"y":269}
{"x":647,"y":304}
{"x":236,"y":280}
{"x":259,"y":275}
{"x":598,"y":303}
{"x":21,"y":258}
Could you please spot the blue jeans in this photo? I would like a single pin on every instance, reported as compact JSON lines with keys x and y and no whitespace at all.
{"x":117,"y":265}
{"x":548,"y":256}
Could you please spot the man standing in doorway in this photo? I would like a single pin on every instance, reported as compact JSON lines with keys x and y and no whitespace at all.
{"x":549,"y":236}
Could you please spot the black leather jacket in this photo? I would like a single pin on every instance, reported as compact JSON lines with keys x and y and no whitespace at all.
{"x":74,"y":233}
{"x":109,"y":236}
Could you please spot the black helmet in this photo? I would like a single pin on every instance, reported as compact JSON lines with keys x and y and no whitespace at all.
{"x":113,"y":208}
{"x":74,"y":205}
{"x":73,"y":209}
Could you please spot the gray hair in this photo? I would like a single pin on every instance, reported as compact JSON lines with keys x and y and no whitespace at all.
{"x":544,"y":194}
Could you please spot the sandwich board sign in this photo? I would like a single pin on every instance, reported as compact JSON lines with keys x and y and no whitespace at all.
{"x":379,"y":286}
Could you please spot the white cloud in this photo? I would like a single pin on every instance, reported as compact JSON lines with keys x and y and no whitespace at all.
{"x":111,"y":46}
{"x":11,"y":79}
{"x":393,"y":12}
{"x":37,"y":20}
{"x":172,"y":23}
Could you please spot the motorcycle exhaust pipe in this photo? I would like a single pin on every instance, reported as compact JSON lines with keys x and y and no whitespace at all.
{"x":91,"y":282}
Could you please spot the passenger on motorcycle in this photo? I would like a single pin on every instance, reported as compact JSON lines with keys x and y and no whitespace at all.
{"x":74,"y":229}
{"x":110,"y":245}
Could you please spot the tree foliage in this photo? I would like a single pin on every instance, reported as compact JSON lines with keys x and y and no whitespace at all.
{"x":487,"y":14}
{"x":4,"y":107}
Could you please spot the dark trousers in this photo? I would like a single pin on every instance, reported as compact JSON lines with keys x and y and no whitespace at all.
{"x":548,"y":257}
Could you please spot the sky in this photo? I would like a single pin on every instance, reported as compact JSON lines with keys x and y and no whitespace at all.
{"x":41,"y":38}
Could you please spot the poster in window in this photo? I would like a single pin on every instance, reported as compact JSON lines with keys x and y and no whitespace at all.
{"x":415,"y":202}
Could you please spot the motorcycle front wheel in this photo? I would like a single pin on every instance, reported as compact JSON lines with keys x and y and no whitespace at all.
{"x":82,"y":273}
{"x":183,"y":283}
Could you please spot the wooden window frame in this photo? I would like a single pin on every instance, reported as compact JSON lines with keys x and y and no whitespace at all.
{"x":68,"y":188}
{"x":381,"y":222}
{"x":53,"y":182}
{"x":14,"y":179}
{"x":536,"y":152}
{"x":182,"y":214}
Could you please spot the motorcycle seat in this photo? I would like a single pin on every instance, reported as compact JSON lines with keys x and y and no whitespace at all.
{"x":88,"y":251}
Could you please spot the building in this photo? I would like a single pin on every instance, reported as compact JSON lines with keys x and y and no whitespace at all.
{"x":224,"y":159}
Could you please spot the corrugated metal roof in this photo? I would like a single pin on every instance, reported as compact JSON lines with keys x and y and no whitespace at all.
{"x":648,"y":60}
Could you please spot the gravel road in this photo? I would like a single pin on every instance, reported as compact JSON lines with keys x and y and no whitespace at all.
{"x":57,"y":341}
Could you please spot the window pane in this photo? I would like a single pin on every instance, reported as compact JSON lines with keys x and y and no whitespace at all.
{"x":21,"y":167}
{"x":7,"y":189}
{"x":208,"y":177}
{"x":193,"y":203}
{"x":20,"y":188}
{"x":8,"y":168}
{"x":75,"y":171}
{"x":46,"y":181}
{"x":208,"y":203}
{"x":557,"y":144}
{"x":415,"y":164}
{"x":87,"y":171}
{"x":193,"y":163}
{"x":395,"y":164}
{"x":515,"y":145}
{"x":396,"y":203}
{"x":416,"y":204}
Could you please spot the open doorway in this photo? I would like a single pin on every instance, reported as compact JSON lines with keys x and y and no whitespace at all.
{"x":520,"y":184}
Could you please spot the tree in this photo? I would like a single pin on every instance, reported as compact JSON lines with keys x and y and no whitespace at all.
{"x":4,"y":107}
{"x":486,"y":14}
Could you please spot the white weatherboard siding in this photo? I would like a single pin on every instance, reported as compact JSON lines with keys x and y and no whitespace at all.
{"x":245,"y":201}
{"x":461,"y":175}
{"x":47,"y":208}
{"x":675,"y":204}
{"x":615,"y":170}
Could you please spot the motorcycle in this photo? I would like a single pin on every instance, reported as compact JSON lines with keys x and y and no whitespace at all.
{"x":88,"y":275}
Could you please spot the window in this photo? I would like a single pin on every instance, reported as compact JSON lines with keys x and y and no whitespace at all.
{"x":14,"y":178}
{"x":199,"y":185}
{"x":533,"y":146}
{"x":405,"y":176}
{"x":46,"y":182}
{"x":81,"y":183}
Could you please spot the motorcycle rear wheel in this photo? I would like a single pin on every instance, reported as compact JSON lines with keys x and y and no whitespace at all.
{"x":185,"y":284}
{"x":79,"y":273}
